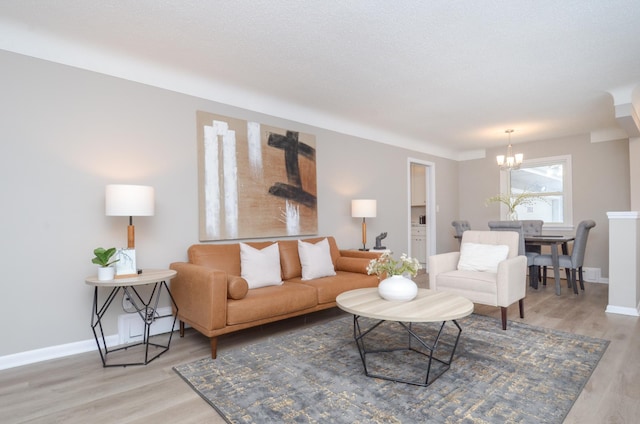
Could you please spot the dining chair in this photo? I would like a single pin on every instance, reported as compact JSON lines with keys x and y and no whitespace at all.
{"x":460,"y":227}
{"x":518,"y":227}
{"x":572,"y":263}
{"x":533,"y":227}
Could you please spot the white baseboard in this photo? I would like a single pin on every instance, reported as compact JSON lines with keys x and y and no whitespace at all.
{"x":623,"y":310}
{"x":591,"y":275}
{"x":160,"y":326}
{"x":53,"y":352}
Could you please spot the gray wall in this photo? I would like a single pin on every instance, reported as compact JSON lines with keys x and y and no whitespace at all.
{"x":600,"y":184}
{"x":66,"y":133}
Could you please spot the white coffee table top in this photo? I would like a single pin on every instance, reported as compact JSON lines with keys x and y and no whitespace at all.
{"x":428,"y":306}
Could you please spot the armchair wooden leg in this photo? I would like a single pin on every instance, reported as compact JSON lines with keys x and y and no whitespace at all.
{"x":521,"y":304}
{"x":504,"y":317}
{"x":181,"y":328}
{"x":214,"y":347}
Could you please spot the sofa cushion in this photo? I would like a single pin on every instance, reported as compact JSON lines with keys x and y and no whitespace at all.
{"x":289,"y":259}
{"x":330,"y":287}
{"x":260,"y":267}
{"x":315,"y":259}
{"x":237,"y":287}
{"x":271,"y":301}
{"x":224,"y":257}
{"x":481,"y":257}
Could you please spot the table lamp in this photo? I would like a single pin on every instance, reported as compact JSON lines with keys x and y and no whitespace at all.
{"x":129,"y":200}
{"x":363,"y":208}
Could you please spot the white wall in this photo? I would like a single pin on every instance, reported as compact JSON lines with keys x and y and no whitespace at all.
{"x":65,"y":133}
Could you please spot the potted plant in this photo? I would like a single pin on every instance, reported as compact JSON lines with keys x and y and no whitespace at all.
{"x":396,"y":285}
{"x":103,"y":258}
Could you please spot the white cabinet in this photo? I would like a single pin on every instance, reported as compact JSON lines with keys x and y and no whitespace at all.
{"x":419,"y":243}
{"x":418,"y":185}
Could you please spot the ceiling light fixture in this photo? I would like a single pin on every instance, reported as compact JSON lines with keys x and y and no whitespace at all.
{"x":510,"y":162}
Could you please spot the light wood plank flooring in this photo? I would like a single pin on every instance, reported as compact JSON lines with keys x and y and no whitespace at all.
{"x":78,"y":390}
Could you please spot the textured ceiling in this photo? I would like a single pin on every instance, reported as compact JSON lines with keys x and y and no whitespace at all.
{"x":438,"y":76}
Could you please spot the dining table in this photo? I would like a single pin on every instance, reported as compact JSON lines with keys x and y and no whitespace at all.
{"x":553,"y":241}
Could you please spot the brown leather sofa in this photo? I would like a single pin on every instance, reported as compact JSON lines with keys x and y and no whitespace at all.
{"x":214,"y":299}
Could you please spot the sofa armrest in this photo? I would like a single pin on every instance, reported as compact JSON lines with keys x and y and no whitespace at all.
{"x":443,"y":262}
{"x":360,"y":254}
{"x":511,"y":280}
{"x":355,"y":260}
{"x":201,"y":295}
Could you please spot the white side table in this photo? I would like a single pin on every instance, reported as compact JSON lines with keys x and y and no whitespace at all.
{"x":145,"y":308}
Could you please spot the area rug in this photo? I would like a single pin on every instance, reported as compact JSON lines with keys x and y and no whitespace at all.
{"x":314,"y":374}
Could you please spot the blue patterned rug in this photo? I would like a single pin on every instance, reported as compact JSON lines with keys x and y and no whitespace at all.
{"x":315,"y":375}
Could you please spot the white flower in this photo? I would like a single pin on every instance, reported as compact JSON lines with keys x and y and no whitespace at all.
{"x":385,"y":264}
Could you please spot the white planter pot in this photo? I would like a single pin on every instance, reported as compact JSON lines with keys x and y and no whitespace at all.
{"x":106,"y":273}
{"x":397,"y":287}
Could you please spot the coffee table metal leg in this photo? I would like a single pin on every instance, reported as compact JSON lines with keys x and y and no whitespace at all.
{"x":359,"y":336}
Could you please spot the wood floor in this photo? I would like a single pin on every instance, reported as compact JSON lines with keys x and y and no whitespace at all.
{"x":78,"y":389}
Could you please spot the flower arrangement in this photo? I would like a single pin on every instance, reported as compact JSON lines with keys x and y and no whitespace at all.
{"x":524,"y":198}
{"x":386,"y":264}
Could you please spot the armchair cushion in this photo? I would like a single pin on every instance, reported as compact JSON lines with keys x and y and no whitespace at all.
{"x":481,"y":257}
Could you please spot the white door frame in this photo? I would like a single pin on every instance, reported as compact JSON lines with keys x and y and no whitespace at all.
{"x":430,"y":186}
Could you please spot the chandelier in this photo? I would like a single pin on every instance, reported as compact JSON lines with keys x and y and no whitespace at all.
{"x":511,"y":161}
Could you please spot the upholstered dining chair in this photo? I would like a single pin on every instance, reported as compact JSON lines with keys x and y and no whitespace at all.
{"x":518,"y":227}
{"x":460,"y":227}
{"x":487,"y":270}
{"x":532,"y":227}
{"x":572,"y":263}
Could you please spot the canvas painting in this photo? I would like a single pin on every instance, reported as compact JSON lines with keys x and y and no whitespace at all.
{"x":255,"y":180}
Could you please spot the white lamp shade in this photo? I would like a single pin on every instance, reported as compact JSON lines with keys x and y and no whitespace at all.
{"x":363,"y":208}
{"x":129,"y":200}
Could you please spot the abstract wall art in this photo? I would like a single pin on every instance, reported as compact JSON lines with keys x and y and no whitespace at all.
{"x":254,"y":180}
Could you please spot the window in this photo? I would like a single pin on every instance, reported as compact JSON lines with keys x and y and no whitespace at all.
{"x":550,"y":180}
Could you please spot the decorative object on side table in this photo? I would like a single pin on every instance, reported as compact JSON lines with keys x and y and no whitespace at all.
{"x":378,"y":246}
{"x":103,"y":258}
{"x":396,"y":285}
{"x":512,"y":202}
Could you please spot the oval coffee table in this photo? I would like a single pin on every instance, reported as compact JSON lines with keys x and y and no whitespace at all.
{"x":428,"y":307}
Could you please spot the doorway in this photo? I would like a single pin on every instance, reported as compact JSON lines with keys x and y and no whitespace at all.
{"x":422,"y":209}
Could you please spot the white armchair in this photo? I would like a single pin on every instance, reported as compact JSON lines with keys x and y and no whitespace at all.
{"x":502,"y":287}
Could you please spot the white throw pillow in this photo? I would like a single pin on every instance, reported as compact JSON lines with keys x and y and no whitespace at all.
{"x":260,"y":267}
{"x":315,"y":259}
{"x":482,"y":257}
